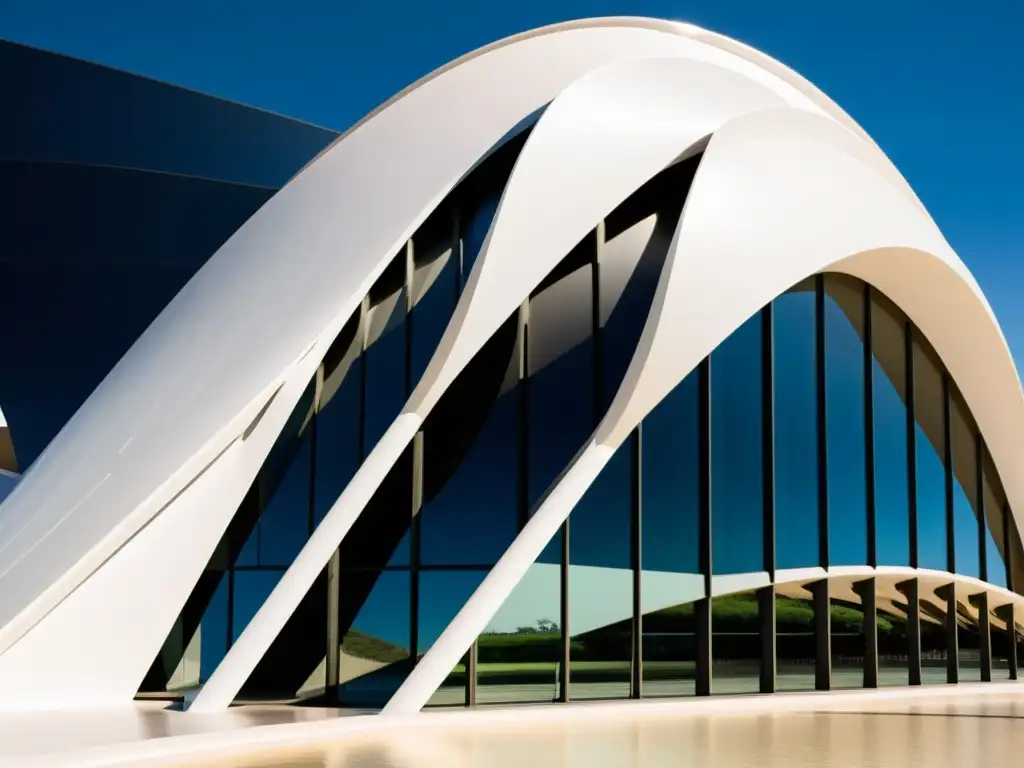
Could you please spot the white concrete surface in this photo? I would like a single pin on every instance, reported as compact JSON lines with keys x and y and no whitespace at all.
{"x":752,"y":730}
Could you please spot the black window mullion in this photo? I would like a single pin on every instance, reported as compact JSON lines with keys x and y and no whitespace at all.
{"x":979,"y":461}
{"x":947,"y":460}
{"x":703,"y":606}
{"x":911,"y":445}
{"x":636,"y":533}
{"x":869,"y":430}
{"x":822,"y":406}
{"x":766,"y":595}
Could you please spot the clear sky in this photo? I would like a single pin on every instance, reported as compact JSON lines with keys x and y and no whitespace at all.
{"x":938,"y":83}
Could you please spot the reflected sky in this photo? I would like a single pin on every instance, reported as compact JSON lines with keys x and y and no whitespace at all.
{"x":897,"y":733}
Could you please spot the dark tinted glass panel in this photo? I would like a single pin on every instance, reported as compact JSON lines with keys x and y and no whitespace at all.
{"x":601,"y":584}
{"x":251,"y":590}
{"x":285,"y":523}
{"x":435,"y":292}
{"x":561,"y":386}
{"x":795,"y":645}
{"x":381,"y":535}
{"x":520,"y":652}
{"x":847,"y":641}
{"x":889,"y":393}
{"x":995,"y":538}
{"x":213,"y":629}
{"x":471,"y":445}
{"x":735,"y":644}
{"x":796,"y":428}
{"x":934,"y":639}
{"x":966,"y":504}
{"x":374,"y":615}
{"x":474,"y":231}
{"x":472,"y":520}
{"x":630,"y":266}
{"x":669,"y":546}
{"x":125,"y":120}
{"x":90,"y":257}
{"x":930,"y":444}
{"x":736,"y":455}
{"x":442,"y":595}
{"x":844,"y":420}
{"x":670,"y":484}
{"x":385,"y":366}
{"x":893,"y":638}
{"x":337,"y":439}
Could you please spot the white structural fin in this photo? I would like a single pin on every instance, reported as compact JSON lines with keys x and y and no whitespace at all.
{"x":811,"y":196}
{"x":600,"y":140}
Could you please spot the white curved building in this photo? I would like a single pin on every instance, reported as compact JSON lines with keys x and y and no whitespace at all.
{"x":611,"y":360}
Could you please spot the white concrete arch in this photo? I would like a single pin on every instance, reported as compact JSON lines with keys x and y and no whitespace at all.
{"x":811,"y":198}
{"x":276,"y":292}
{"x":598,"y":141}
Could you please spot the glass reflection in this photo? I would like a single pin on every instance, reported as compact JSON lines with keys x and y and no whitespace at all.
{"x":735,"y":643}
{"x":969,"y":640}
{"x":214,"y":629}
{"x":601,"y":584}
{"x":965,"y":489}
{"x":384,"y":360}
{"x":285,"y":523}
{"x":476,"y":226}
{"x":847,"y":640}
{"x":889,"y":396}
{"x":561,"y":369}
{"x":374,"y":619}
{"x":893,"y":634}
{"x":670,"y":506}
{"x":934,"y":638}
{"x":994,"y":504}
{"x":796,"y":427}
{"x":737,"y":506}
{"x":795,"y":643}
{"x":441,"y":595}
{"x":472,"y":519}
{"x":435,"y":287}
{"x":930,"y":445}
{"x":520,"y":652}
{"x":338,"y":442}
{"x":1002,"y":642}
{"x":844,"y":421}
{"x":250,"y":591}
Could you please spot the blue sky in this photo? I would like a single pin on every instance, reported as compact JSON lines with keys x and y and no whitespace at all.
{"x":939,"y":84}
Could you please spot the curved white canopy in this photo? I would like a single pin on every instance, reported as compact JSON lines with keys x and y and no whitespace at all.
{"x":789,"y":185}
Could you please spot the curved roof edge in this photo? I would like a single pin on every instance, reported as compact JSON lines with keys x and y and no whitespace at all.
{"x":679,"y":28}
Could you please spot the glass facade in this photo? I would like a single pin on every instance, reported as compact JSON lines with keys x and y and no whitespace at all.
{"x":708,"y":556}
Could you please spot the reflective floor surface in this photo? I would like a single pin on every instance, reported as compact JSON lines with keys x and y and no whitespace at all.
{"x":969,"y":730}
